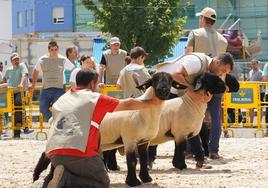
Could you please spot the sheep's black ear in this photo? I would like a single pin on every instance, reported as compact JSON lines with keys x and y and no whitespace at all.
{"x":178,"y":85}
{"x":145,"y":85}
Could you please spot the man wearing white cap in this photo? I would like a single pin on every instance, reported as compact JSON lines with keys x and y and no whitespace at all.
{"x":112,"y":62}
{"x":15,"y":76}
{"x":207,"y":40}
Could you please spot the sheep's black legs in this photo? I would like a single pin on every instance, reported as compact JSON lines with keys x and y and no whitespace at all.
{"x":179,"y":156}
{"x":144,"y":175}
{"x":132,"y":179}
{"x":110,"y":159}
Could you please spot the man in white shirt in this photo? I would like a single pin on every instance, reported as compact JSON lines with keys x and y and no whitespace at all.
{"x":52,"y":65}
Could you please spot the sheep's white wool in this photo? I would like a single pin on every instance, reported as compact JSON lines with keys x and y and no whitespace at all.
{"x":133,"y":126}
{"x":181,"y":116}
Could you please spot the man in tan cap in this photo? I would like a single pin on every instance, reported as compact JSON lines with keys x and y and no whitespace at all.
{"x":112,"y":62}
{"x":207,"y":40}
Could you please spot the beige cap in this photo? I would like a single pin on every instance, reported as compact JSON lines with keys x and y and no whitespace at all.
{"x":208,"y":12}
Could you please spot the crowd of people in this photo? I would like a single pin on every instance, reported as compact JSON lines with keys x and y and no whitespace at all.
{"x":73,"y":145}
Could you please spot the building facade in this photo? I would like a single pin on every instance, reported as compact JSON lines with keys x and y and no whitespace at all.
{"x":32,"y":16}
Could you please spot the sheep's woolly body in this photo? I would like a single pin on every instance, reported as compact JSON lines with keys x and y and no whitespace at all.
{"x":181,"y":116}
{"x":133,"y":126}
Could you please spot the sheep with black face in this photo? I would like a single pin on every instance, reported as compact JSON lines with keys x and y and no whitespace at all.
{"x":182,"y":117}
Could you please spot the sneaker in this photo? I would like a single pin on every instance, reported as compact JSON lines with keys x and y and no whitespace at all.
{"x":199,"y":164}
{"x":27,"y":130}
{"x":214,"y":156}
{"x":202,"y":164}
{"x":58,"y":173}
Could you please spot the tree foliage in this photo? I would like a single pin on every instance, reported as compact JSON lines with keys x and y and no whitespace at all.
{"x":155,"y":25}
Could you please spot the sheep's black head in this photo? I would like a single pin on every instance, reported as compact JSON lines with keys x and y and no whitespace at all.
{"x":232,"y":83}
{"x":210,"y":83}
{"x":161,"y":82}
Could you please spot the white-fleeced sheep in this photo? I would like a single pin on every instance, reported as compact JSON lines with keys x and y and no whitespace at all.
{"x":133,"y":130}
{"x":182,"y":117}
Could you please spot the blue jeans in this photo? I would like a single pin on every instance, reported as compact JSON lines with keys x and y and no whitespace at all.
{"x":47,"y":99}
{"x":214,"y":107}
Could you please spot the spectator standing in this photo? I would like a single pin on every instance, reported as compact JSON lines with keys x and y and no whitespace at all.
{"x":265,"y":79}
{"x":134,"y":74}
{"x":112,"y":62}
{"x":255,"y":75}
{"x":207,"y":40}
{"x":15,"y":76}
{"x":1,"y":71}
{"x":71,"y":54}
{"x":76,"y":157}
{"x":86,"y":62}
{"x":52,"y":65}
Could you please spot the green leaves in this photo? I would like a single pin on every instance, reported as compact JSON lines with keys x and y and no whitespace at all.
{"x":153,"y":24}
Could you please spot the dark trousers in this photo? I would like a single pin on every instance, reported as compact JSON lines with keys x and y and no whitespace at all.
{"x":82,"y":172}
{"x":196,"y":148}
{"x":17,"y":114}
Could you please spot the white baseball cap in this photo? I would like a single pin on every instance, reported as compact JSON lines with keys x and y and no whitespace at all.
{"x":115,"y":40}
{"x":208,"y":12}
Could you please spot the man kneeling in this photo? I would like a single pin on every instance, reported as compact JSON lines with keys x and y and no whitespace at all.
{"x":73,"y":143}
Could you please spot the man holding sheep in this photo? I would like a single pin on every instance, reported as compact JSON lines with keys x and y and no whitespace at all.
{"x":185,"y":69}
{"x":74,"y":139}
{"x":207,"y":40}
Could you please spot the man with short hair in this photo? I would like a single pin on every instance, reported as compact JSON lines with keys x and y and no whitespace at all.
{"x":1,"y":70}
{"x":15,"y":76}
{"x":71,"y":54}
{"x":134,"y":74}
{"x":75,"y":154}
{"x":184,"y":70}
{"x":207,"y":40}
{"x":112,"y":62}
{"x":52,"y":65}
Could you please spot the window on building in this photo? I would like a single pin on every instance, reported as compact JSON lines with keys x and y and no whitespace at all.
{"x":58,"y":15}
{"x":19,"y":19}
{"x":27,"y":18}
{"x":32,"y":16}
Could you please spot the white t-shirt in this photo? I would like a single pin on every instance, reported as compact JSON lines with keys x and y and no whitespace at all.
{"x":191,"y":63}
{"x":73,"y":75}
{"x":68,"y":65}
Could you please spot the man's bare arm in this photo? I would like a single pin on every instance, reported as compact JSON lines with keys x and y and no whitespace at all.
{"x":101,"y":72}
{"x":35,"y":77}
